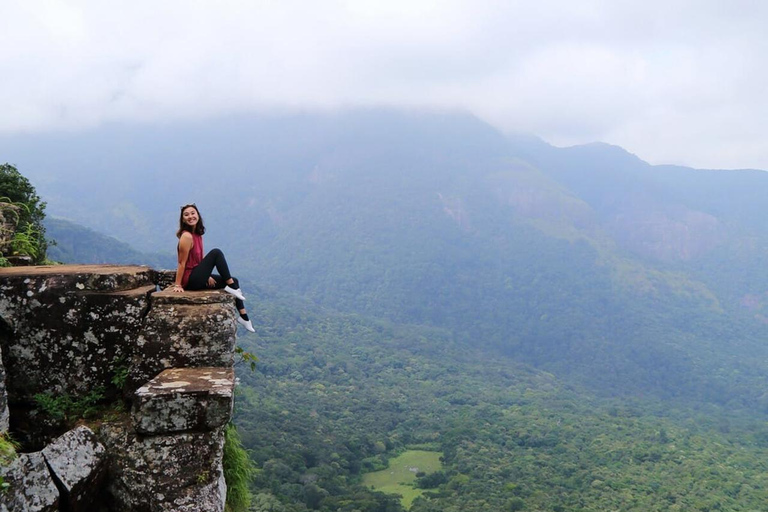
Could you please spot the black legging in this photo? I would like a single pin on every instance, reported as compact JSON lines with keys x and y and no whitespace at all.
{"x":198,"y":278}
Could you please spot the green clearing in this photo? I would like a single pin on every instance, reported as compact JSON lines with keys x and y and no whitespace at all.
{"x":400,"y":476}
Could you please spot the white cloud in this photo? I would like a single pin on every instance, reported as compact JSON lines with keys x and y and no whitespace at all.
{"x":673,"y":81}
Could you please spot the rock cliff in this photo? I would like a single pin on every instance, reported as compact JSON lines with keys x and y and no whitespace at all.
{"x":118,"y":393}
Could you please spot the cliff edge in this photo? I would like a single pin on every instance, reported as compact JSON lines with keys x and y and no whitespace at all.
{"x":117,"y":392}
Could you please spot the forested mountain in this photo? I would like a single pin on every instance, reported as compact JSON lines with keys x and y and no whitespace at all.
{"x":78,"y":244}
{"x":583,"y":261}
{"x":423,"y":280}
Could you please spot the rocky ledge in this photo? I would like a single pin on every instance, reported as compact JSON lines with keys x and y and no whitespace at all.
{"x":184,"y":399}
{"x":105,"y":336}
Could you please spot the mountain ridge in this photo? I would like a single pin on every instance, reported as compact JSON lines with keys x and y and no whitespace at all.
{"x":580,"y":258}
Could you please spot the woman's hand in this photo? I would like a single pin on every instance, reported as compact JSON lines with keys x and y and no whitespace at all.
{"x":211,"y":282}
{"x":177,"y":288}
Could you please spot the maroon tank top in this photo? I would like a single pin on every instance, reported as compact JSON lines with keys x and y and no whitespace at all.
{"x":194,"y":258}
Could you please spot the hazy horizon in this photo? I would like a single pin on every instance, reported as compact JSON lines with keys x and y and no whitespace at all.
{"x":673,"y":82}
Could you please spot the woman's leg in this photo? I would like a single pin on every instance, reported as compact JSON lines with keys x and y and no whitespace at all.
{"x":221,"y":283}
{"x":243,"y":320}
{"x":198,"y":278}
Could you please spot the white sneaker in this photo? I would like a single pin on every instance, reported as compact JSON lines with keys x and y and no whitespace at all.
{"x":236,"y":292}
{"x":246,"y":323}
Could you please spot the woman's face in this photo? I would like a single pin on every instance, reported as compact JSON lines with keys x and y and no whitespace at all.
{"x":190,"y":216}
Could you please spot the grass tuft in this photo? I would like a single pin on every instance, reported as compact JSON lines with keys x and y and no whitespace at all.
{"x":8,"y":449}
{"x":238,"y":472}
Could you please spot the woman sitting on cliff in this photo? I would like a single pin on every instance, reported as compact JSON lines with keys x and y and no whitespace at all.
{"x":195,"y":271}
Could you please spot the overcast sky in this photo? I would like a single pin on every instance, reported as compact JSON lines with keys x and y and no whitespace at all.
{"x":672,"y":81}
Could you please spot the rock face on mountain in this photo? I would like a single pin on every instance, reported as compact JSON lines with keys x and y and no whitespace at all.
{"x":671,"y":234}
{"x":97,"y":341}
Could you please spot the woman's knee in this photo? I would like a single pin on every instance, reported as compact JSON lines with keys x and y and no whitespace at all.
{"x":216,"y":252}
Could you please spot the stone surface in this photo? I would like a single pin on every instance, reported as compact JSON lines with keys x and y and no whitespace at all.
{"x":184,"y":399}
{"x":60,"y":321}
{"x":67,"y":329}
{"x":190,"y":329}
{"x":31,"y":486}
{"x":166,"y":473}
{"x":3,"y":397}
{"x":165,"y":278}
{"x":100,"y":278}
{"x":78,"y":462}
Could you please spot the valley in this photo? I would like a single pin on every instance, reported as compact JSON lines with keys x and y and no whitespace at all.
{"x":570,"y":329}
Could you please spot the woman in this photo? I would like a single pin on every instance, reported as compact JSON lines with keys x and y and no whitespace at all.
{"x":195,"y":271}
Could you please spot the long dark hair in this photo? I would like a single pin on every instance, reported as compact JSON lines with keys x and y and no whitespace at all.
{"x":199,"y":228}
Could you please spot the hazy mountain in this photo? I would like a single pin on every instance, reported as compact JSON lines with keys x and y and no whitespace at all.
{"x":584,"y":261}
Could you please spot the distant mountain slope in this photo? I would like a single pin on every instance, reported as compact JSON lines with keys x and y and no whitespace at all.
{"x":585,"y":261}
{"x":78,"y":244}
{"x":508,"y":257}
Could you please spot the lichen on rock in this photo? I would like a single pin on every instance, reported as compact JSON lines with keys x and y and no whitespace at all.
{"x":31,"y":487}
{"x":77,"y":461}
{"x":66,"y":331}
{"x":192,"y":329}
{"x":69,"y":346}
{"x":184,"y":399}
{"x":165,"y":473}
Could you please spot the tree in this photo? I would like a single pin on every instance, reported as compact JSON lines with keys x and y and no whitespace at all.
{"x":30,"y":232}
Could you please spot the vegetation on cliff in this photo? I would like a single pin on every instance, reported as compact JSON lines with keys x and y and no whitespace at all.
{"x":7,"y":449}
{"x":25,"y":219}
{"x":238,"y":472}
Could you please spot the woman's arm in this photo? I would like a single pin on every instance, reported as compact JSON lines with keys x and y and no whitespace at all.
{"x":185,"y":245}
